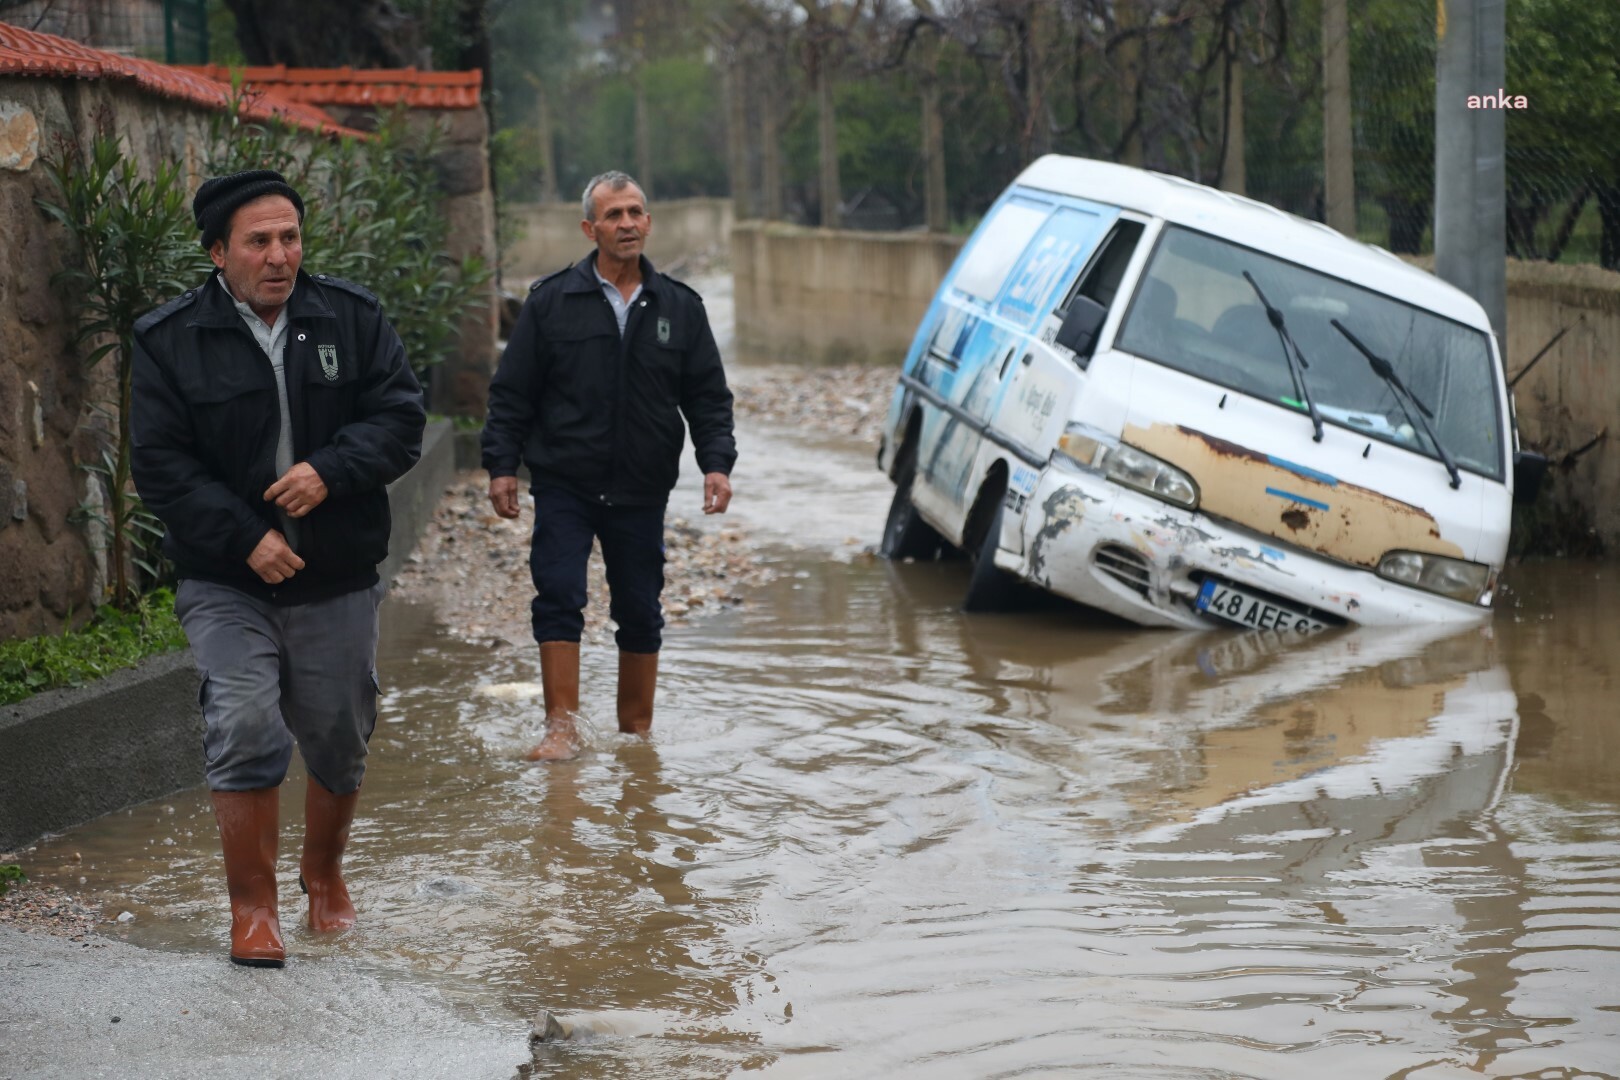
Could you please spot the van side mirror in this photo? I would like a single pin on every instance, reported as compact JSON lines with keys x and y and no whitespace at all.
{"x":1529,"y":468}
{"x":1080,"y":325}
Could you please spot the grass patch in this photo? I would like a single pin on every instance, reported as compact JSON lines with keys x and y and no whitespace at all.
{"x":114,"y":640}
{"x":9,"y":873}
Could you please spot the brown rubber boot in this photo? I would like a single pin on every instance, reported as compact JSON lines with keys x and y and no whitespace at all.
{"x":248,"y":825}
{"x":638,"y":681}
{"x":327,"y":818}
{"x":559,"y":679}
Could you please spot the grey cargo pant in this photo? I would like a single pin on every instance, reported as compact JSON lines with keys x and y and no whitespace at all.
{"x":272,"y":675}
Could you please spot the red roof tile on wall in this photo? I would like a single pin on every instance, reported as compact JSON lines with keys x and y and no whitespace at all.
{"x":371,"y":87}
{"x":25,"y":52}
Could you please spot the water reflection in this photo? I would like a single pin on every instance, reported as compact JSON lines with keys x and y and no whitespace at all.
{"x":875,"y":838}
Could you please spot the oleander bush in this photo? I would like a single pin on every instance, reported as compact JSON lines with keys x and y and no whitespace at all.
{"x":372,"y":215}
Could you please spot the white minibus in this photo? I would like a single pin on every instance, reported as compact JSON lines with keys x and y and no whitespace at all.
{"x":1191,"y":409}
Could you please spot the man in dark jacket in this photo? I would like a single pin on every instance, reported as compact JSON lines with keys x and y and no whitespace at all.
{"x":605,"y":360}
{"x":270,"y":410}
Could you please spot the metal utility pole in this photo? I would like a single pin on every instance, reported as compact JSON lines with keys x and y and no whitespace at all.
{"x":1338,"y":141}
{"x":1470,"y":167}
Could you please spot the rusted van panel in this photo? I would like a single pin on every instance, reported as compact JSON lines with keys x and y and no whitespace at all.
{"x":1310,"y":510}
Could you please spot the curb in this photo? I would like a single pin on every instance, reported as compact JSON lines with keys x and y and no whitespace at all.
{"x":69,"y":756}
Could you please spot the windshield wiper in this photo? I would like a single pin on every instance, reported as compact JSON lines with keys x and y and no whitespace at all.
{"x":1296,"y":359}
{"x":1386,"y":371}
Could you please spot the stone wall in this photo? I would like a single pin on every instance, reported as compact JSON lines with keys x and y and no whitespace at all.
{"x":548,"y":235}
{"x":822,"y":296}
{"x":53,"y":417}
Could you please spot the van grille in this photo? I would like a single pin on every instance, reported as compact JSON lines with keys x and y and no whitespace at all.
{"x":1125,"y":566}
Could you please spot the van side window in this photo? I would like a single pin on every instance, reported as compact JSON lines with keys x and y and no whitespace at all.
{"x":950,"y":334}
{"x":1101,"y":279}
{"x":997,"y":243}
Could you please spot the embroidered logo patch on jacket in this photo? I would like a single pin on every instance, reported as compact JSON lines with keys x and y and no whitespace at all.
{"x":329,"y":365}
{"x":663,"y":331}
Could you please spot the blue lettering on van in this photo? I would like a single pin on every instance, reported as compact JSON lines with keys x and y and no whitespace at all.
{"x":1050,"y":263}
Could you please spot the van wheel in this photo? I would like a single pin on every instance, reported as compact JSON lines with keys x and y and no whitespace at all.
{"x":990,"y":588}
{"x":905,"y":534}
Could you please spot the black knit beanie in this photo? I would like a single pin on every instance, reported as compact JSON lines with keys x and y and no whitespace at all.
{"x":219,"y":197}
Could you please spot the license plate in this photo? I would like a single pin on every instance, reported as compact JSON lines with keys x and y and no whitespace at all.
{"x":1236,"y":606}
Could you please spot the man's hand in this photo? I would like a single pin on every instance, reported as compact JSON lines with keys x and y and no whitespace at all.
{"x":503,"y":495}
{"x":299,"y":491}
{"x":716,"y":492}
{"x":273,"y":560}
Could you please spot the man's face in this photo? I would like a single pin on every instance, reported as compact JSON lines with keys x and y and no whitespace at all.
{"x":261,"y":260}
{"x":622,"y":222}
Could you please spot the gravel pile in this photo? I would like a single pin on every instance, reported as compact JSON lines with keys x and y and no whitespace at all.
{"x":849,"y":400}
{"x":473,"y":566}
{"x":32,"y":907}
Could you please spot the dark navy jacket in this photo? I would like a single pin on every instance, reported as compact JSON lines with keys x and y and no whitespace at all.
{"x":599,"y":415}
{"x":205,"y":419}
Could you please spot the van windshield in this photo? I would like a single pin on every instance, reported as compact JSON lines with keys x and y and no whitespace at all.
{"x":1194,"y":311}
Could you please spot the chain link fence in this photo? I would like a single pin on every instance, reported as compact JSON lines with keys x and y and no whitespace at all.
{"x":1557,"y":182}
{"x":173,"y":31}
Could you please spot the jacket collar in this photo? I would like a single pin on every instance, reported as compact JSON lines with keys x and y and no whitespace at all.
{"x":214,"y":307}
{"x":582,"y":276}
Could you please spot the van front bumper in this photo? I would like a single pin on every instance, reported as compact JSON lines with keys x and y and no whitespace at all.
{"x":1109,"y":547}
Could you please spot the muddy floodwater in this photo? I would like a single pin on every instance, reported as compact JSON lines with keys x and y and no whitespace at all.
{"x":875,"y":837}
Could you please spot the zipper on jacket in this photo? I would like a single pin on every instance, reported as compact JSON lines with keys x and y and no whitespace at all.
{"x":618,"y":390}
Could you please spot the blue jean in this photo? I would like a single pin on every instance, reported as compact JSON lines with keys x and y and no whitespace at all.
{"x":632,"y":539}
{"x":273,"y":676}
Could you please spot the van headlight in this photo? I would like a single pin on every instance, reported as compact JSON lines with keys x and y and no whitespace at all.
{"x":1459,"y":580}
{"x":1129,"y":466}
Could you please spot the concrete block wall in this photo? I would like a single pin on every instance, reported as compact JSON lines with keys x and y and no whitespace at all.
{"x":823,"y":296}
{"x":1572,"y":395}
{"x":549,"y":237}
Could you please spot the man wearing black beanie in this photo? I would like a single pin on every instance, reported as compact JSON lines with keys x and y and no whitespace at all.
{"x":271,"y":410}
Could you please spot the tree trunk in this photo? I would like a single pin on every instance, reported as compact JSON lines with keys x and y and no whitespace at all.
{"x":1337,"y":136}
{"x":770,"y":158}
{"x":827,"y":149}
{"x":327,"y":33}
{"x":644,"y":166}
{"x":936,"y":211}
{"x":1038,"y":136}
{"x":549,"y":190}
{"x":1234,"y":173}
{"x":1130,"y":87}
{"x":735,"y":77}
